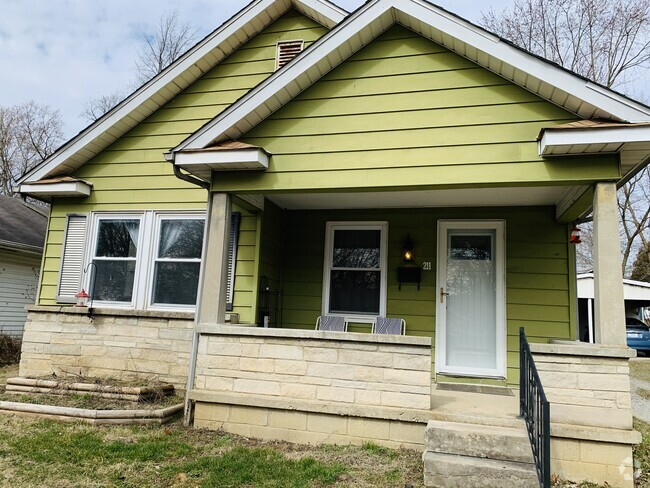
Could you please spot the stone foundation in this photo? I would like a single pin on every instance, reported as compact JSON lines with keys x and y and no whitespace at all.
{"x":313,"y":387}
{"x":588,"y":386}
{"x":116,"y":344}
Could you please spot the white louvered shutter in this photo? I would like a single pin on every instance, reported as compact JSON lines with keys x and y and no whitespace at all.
{"x":72,"y":258}
{"x":287,"y":50}
{"x":232,"y":259}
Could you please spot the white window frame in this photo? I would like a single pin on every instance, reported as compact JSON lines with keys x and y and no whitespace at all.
{"x":330,"y":228}
{"x":147,"y":251}
{"x":159,"y":217}
{"x":92,"y":249}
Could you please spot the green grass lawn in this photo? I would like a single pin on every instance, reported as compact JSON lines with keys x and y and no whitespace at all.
{"x":36,"y":453}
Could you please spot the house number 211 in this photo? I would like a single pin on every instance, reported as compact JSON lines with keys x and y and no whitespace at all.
{"x":426,"y":265}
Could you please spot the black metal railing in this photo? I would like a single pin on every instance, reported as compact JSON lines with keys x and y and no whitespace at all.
{"x":535,"y":410}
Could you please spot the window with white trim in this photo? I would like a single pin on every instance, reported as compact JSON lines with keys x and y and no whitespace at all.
{"x":177,"y":260}
{"x":145,"y":260}
{"x":115,"y":259}
{"x":355,"y":269}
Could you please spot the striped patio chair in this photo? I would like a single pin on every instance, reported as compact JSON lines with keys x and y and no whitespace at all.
{"x":384,"y":325}
{"x":332,"y":323}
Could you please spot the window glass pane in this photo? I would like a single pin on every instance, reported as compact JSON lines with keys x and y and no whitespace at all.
{"x":474,"y":248}
{"x":117,"y":238}
{"x":180,"y":239}
{"x":356,"y":248}
{"x":113,"y":281}
{"x":354,"y":291}
{"x":176,"y":283}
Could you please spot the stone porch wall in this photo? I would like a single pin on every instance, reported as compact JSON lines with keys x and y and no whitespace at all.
{"x":588,"y":386}
{"x":118,"y":344}
{"x":314,"y":387}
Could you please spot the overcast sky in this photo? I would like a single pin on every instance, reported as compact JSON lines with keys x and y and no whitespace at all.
{"x":65,"y":52}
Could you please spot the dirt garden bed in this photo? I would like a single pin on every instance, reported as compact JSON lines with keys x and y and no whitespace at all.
{"x":91,"y":400}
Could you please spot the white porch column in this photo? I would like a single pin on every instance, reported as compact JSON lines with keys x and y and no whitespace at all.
{"x":212,"y":307}
{"x":608,"y":277}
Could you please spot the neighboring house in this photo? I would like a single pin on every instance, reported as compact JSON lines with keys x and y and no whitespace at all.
{"x":635,"y":293}
{"x":22,"y":233}
{"x":398,"y":126}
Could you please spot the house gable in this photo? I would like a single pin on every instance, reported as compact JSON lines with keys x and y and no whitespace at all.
{"x":405,"y":112}
{"x":132,"y":174}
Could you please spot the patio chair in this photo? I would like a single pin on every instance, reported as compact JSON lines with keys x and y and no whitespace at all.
{"x":385,"y":325}
{"x":332,"y":323}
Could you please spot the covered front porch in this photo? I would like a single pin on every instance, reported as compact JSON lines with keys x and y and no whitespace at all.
{"x":489,"y":262}
{"x":484,"y":262}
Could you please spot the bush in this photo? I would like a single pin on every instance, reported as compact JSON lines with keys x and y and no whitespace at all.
{"x":9,"y":350}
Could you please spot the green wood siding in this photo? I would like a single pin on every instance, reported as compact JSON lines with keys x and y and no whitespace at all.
{"x":132,"y":174}
{"x":405,"y":112}
{"x":537,"y":269}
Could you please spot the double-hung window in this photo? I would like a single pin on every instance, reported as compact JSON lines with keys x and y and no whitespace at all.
{"x":145,"y":260}
{"x":141,"y":260}
{"x":355,"y":269}
{"x":177,"y":261}
{"x":115,"y":259}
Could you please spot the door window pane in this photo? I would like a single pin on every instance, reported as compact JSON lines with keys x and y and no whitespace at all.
{"x":470,"y":247}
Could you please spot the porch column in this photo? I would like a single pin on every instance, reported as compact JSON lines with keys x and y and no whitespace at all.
{"x":212,"y":308}
{"x":608,"y":277}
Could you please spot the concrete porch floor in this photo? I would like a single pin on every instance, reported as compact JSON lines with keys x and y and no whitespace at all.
{"x":476,"y":408}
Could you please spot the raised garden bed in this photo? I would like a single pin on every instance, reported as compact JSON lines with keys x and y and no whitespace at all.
{"x":95,"y":417}
{"x":23,"y":386}
{"x":95,"y":402}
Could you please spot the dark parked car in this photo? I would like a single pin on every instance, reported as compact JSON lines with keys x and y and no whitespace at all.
{"x":638,"y":335}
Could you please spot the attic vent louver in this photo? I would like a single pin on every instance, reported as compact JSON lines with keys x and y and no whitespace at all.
{"x":287,"y":50}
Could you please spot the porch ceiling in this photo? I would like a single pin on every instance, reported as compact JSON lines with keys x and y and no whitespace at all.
{"x":473,"y":197}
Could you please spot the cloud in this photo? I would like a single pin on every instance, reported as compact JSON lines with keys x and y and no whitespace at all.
{"x":67,"y":52}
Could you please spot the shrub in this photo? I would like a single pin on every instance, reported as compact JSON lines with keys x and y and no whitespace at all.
{"x":9,"y":350}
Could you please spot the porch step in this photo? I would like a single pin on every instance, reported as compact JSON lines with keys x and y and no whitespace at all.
{"x":481,"y":441}
{"x":454,"y":471}
{"x":460,"y":454}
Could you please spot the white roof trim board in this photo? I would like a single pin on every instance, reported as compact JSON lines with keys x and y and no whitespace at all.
{"x":564,"y":88}
{"x":203,"y":163}
{"x":63,"y":189}
{"x":178,"y":76}
{"x":632,"y":289}
{"x":590,"y":141}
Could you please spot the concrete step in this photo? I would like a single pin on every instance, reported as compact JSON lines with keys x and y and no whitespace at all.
{"x":454,"y":471}
{"x":479,"y":441}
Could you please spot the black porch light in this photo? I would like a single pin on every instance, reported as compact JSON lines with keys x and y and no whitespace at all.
{"x":408,"y":250}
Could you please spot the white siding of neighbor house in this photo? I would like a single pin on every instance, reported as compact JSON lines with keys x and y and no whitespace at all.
{"x":18,"y":285}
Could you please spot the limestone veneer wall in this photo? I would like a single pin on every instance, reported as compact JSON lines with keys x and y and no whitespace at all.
{"x":588,"y":386}
{"x":312,"y":386}
{"x":117,"y":344}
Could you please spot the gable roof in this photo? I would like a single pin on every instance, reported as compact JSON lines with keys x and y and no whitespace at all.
{"x":22,"y":226}
{"x":219,"y":44}
{"x":546,"y":79}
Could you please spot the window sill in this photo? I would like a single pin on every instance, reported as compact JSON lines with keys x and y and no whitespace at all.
{"x":120,"y":312}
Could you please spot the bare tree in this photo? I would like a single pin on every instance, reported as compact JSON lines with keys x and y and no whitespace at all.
{"x":607,"y":41}
{"x":158,"y":50}
{"x":162,"y":47}
{"x":604,"y":40}
{"x":95,"y":108}
{"x":29,"y":133}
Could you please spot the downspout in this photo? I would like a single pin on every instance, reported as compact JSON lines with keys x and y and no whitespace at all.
{"x":188,"y":410}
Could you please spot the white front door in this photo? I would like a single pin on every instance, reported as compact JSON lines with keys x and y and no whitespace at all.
{"x":470,"y":311}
